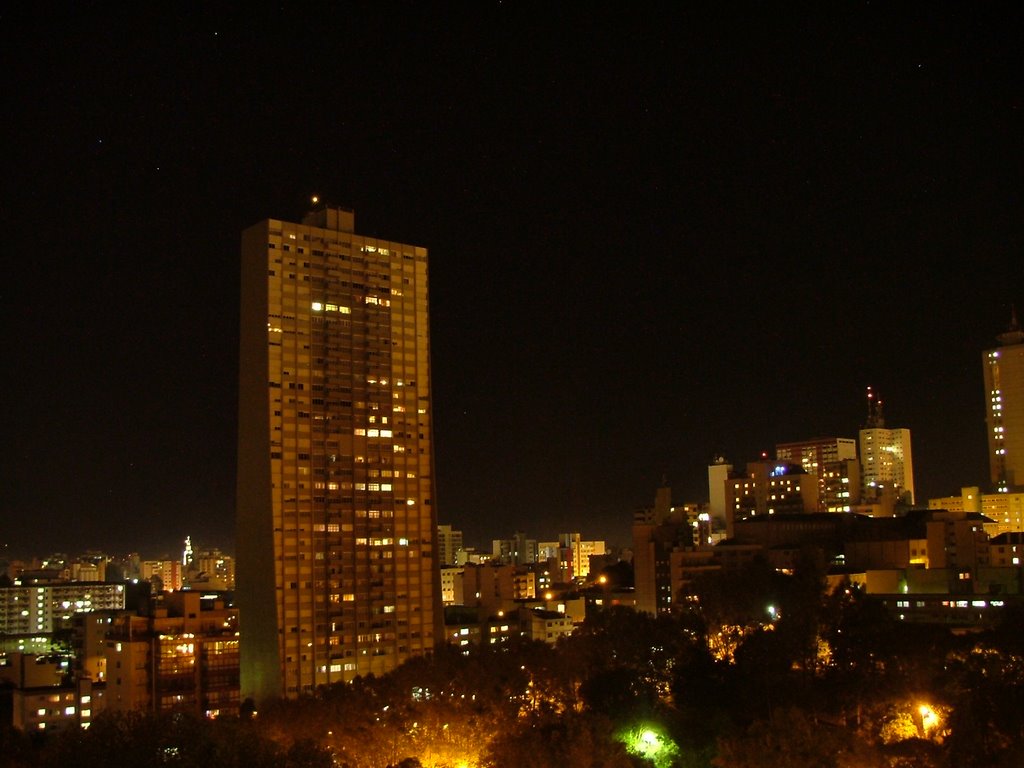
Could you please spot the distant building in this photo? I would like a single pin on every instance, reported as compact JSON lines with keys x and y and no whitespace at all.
{"x":887,"y":467}
{"x":657,"y":535}
{"x":164,"y":574}
{"x":1007,"y":550}
{"x":41,"y":609}
{"x":449,"y":542}
{"x":770,"y":488}
{"x":493,"y":587}
{"x":209,"y":569}
{"x":519,"y":550}
{"x":547,"y":626}
{"x":1005,"y":511}
{"x":571,"y":554}
{"x":1003,"y":369}
{"x":833,"y":461}
{"x":719,"y":472}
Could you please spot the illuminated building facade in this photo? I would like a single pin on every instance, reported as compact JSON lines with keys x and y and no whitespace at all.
{"x":1004,"y":510}
{"x":887,"y":467}
{"x":770,"y":488}
{"x":1003,"y":369}
{"x":184,"y":655}
{"x":43,"y":696}
{"x":572,"y":555}
{"x":833,"y":460}
{"x":165,"y":574}
{"x":451,"y":584}
{"x":336,"y":545}
{"x":493,"y":587}
{"x":45,"y":608}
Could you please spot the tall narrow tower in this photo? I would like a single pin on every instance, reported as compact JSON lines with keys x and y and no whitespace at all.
{"x":887,"y":466}
{"x":1003,"y":369}
{"x":336,"y":524}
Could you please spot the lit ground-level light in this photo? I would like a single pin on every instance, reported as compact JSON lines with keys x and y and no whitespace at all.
{"x":929,"y":717}
{"x":650,"y":743}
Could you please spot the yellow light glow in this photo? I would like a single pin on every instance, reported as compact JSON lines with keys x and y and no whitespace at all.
{"x":929,"y":717}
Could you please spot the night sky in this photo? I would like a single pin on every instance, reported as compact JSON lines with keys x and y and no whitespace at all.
{"x":657,"y":233}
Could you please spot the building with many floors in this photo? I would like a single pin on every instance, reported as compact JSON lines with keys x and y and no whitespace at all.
{"x":336,"y":540}
{"x":183,"y":653}
{"x":886,"y":460}
{"x":1003,"y":370}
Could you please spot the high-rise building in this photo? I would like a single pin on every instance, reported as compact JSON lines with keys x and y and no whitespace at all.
{"x":337,"y":571}
{"x":887,"y":467}
{"x":1003,"y":369}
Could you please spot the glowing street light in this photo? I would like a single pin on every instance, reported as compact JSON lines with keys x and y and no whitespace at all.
{"x":929,"y":718}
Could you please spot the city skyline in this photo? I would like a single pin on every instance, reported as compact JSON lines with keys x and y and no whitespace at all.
{"x":655,"y":238}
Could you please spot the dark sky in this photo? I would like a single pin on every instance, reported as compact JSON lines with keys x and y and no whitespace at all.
{"x":657,"y":232}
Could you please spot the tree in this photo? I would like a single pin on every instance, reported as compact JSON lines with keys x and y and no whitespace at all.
{"x":555,"y":742}
{"x":986,"y":692}
{"x":791,"y":739}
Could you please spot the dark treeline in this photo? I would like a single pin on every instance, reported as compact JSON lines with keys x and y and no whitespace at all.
{"x":769,"y":671}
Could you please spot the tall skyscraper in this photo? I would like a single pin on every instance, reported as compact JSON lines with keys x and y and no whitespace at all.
{"x":887,"y":465}
{"x":337,"y":571}
{"x":1003,"y":369}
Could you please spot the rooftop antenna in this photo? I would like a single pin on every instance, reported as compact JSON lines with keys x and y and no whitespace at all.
{"x":1013,"y":334}
{"x":875,"y":418}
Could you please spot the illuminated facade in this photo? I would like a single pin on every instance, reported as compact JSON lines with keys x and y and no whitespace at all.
{"x":168,"y":574}
{"x":493,"y":587}
{"x":770,"y":488}
{"x":336,"y":545}
{"x":1003,"y":369}
{"x":833,"y":460}
{"x":45,"y":608}
{"x":43,"y":696}
{"x":887,"y":467}
{"x":1005,"y":510}
{"x":572,"y":554}
{"x":184,"y":655}
{"x":451,"y":584}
